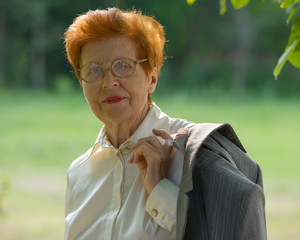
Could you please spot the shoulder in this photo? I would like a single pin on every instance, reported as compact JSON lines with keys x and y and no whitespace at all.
{"x":79,"y":160}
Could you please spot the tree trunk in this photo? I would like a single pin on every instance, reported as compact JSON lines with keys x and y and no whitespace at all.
{"x":38,"y":50}
{"x":2,"y":42}
{"x":243,"y":52}
{"x":189,"y":49}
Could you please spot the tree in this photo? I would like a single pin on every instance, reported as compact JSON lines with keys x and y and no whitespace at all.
{"x":292,"y":49}
{"x":2,"y":41}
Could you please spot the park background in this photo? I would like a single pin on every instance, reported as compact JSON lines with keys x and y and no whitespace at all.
{"x":219,"y":69}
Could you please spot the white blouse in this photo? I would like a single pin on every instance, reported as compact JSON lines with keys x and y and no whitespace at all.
{"x":106,"y":198}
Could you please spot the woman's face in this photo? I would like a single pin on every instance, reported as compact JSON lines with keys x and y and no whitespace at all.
{"x":112,"y":99}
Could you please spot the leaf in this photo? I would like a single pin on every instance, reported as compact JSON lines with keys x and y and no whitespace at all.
{"x":292,"y":50}
{"x":295,"y":32}
{"x":284,"y":57}
{"x":296,"y":27}
{"x":223,"y":7}
{"x":288,"y":3}
{"x":190,"y":2}
{"x":237,"y":4}
{"x":295,"y":58}
{"x":293,"y":12}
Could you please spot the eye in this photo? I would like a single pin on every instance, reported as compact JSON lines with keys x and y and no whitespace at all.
{"x":91,"y":72}
{"x":95,"y":69}
{"x":122,"y":68}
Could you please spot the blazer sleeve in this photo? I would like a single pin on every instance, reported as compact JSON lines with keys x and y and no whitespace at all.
{"x":227,"y":200}
{"x":251,"y":220}
{"x":251,"y":217}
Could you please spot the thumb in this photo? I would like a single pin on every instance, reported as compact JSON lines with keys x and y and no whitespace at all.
{"x":161,"y":133}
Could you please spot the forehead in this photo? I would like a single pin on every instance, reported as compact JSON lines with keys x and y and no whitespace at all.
{"x":108,"y":49}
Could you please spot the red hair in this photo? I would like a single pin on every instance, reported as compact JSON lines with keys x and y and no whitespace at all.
{"x":146,"y":32}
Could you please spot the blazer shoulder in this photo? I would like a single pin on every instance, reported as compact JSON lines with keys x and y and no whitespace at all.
{"x":220,"y":145}
{"x":218,"y":167}
{"x":201,"y":131}
{"x":195,"y":138}
{"x":220,"y":142}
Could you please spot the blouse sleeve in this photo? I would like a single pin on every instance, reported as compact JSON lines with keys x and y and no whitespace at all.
{"x":162,"y":203}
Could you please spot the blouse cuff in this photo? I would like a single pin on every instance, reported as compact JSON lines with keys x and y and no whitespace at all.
{"x":162,"y":203}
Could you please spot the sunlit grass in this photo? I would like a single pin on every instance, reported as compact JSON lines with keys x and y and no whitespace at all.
{"x":42,"y":133}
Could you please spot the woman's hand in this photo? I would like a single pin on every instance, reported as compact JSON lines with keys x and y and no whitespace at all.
{"x":152,"y":158}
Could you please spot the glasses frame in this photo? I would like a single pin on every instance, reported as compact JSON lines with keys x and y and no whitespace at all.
{"x":111,"y":70}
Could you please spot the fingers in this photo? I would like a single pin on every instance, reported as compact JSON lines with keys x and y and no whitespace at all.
{"x":161,"y":133}
{"x":164,"y":135}
{"x":142,"y":152}
{"x":152,"y":157}
{"x":150,"y":145}
{"x":154,"y":141}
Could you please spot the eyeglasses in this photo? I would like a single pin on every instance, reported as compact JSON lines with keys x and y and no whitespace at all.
{"x":120,"y":67}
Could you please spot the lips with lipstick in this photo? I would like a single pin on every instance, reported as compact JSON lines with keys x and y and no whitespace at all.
{"x":113,"y":99}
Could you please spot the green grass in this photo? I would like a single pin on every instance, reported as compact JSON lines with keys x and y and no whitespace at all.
{"x":42,"y":133}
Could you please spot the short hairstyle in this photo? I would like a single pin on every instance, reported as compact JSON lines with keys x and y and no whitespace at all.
{"x":146,"y":32}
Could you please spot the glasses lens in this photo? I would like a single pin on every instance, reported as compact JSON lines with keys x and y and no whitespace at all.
{"x":91,"y":72}
{"x":123,"y":67}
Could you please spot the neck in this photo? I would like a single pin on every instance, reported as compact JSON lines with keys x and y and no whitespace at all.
{"x":118,"y":133}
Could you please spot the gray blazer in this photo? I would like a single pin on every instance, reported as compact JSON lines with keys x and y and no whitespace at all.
{"x":221,"y":193}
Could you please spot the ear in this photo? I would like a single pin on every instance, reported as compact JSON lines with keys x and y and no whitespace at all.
{"x":153,"y":81}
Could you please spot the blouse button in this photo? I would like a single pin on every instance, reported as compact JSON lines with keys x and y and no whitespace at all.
{"x":154,"y":212}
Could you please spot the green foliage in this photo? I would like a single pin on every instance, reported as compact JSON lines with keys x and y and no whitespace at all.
{"x":203,"y":45}
{"x":288,"y":3}
{"x":295,"y":57}
{"x":190,"y":2}
{"x":237,"y":4}
{"x":293,"y":12}
{"x":223,"y":7}
{"x":295,"y":37}
{"x":287,"y":55}
{"x":292,"y":50}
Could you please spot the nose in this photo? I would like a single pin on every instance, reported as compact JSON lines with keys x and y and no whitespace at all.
{"x":109,"y":80}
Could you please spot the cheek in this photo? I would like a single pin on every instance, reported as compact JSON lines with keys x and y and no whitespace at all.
{"x":91,"y":97}
{"x":91,"y":93}
{"x":140,"y":99}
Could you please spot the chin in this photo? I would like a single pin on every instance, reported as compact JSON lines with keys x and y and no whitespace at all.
{"x":114,"y":116}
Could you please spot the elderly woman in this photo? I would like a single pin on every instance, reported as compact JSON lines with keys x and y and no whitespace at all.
{"x":149,"y":176}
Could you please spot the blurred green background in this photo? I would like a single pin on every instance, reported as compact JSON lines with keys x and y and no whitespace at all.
{"x":219,"y":69}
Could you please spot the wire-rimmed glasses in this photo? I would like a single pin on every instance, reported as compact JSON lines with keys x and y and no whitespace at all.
{"x":120,"y":67}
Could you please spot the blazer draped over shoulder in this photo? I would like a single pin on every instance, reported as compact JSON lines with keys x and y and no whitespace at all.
{"x":221,"y":193}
